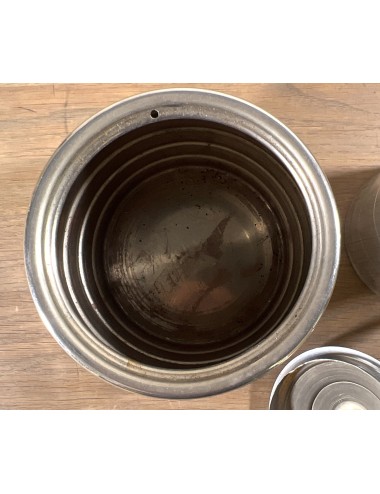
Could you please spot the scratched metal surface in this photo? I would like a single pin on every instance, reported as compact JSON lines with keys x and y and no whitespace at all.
{"x":194,"y":240}
{"x":188,"y":271}
{"x":339,"y":124}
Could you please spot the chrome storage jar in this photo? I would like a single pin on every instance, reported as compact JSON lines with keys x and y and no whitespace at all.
{"x":181,"y":243}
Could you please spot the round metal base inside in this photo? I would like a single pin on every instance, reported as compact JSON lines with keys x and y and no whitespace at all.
{"x":195,"y":254}
{"x":193,"y":251}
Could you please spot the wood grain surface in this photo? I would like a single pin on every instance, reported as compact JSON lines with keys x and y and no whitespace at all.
{"x":340,"y":124}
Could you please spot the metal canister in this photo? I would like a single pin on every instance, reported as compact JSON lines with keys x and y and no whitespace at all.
{"x":181,"y":243}
{"x":328,"y":378}
{"x":362,"y":234}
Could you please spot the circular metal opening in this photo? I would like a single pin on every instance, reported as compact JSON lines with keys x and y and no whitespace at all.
{"x":185,"y":243}
{"x":183,"y":255}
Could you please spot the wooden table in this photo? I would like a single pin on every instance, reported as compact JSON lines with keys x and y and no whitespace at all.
{"x":340,"y":124}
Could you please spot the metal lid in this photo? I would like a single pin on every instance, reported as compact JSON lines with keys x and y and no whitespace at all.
{"x":328,"y":378}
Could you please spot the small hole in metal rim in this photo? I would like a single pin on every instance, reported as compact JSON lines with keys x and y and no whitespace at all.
{"x":154,"y":113}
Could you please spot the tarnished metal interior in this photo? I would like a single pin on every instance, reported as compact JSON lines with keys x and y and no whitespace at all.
{"x":183,"y":244}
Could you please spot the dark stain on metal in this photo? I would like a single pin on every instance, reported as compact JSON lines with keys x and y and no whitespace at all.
{"x":252,"y":270}
{"x":213,"y":243}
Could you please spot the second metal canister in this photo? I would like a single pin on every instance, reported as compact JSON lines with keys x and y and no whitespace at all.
{"x":328,"y":378}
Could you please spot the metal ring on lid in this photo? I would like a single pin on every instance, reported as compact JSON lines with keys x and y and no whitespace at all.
{"x":345,"y":396}
{"x":328,"y":378}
